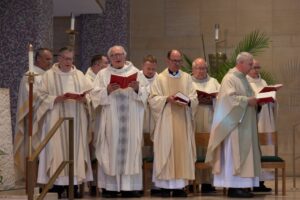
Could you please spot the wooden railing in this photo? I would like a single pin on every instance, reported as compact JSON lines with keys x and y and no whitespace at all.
{"x":31,"y":163}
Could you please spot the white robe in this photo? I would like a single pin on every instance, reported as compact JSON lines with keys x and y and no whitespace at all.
{"x":233,"y":148}
{"x":21,"y":128}
{"x":266,"y":123}
{"x":54,"y":83}
{"x":167,"y":172}
{"x":90,"y":75}
{"x":119,"y":139}
{"x":203,"y":119}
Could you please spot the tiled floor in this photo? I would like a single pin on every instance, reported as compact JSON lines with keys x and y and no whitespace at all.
{"x":292,"y":193}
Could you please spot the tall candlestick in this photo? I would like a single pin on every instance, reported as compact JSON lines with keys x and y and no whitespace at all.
{"x":217,"y":27}
{"x":72,"y":21}
{"x":30,"y":57}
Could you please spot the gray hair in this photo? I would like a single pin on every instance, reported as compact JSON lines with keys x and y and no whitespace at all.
{"x":194,"y":62}
{"x":116,"y":46}
{"x":243,"y":56}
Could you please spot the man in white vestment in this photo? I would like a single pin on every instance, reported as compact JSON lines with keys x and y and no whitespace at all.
{"x":233,"y":149}
{"x":120,"y":136}
{"x":43,"y":61}
{"x":266,"y":122}
{"x":98,"y":62}
{"x":61,"y":79}
{"x":174,"y":139}
{"x":147,"y":76}
{"x":205,"y":110}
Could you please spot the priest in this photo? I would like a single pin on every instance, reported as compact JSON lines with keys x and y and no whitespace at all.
{"x":266,"y":122}
{"x":43,"y":61}
{"x":61,"y":79}
{"x":205,"y":110}
{"x":120,"y":136}
{"x":233,"y":149}
{"x":174,"y":139}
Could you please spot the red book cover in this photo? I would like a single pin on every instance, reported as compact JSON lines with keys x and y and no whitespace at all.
{"x":203,"y":94}
{"x":123,"y":81}
{"x":266,"y":97}
{"x":74,"y":95}
{"x":270,"y":88}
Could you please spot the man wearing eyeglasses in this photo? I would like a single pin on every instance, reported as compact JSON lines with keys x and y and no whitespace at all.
{"x":266,"y":122}
{"x":119,"y":139}
{"x":204,"y":115}
{"x":98,"y":62}
{"x":174,"y":140}
{"x":62,"y":91}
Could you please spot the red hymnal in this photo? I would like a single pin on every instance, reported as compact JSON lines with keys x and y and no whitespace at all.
{"x":270,"y":88}
{"x":75,"y":95}
{"x":266,"y":97}
{"x":123,"y":81}
{"x":206,"y":94}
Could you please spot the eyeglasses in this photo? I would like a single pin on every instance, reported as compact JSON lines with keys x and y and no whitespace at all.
{"x":175,"y":61}
{"x":67,"y":58}
{"x":116,"y":55}
{"x":256,"y":67}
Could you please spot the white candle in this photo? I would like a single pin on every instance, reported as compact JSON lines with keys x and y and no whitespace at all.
{"x":217,"y":27}
{"x":30,"y":57}
{"x":72,"y":21}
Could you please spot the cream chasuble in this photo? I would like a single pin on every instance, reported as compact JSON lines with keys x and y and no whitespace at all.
{"x":54,"y":83}
{"x":90,"y":75}
{"x":174,"y":140}
{"x":119,"y":140}
{"x":21,"y":128}
{"x":233,"y":148}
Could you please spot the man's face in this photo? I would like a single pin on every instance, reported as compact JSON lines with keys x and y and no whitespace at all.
{"x":247,"y":65}
{"x":149,"y":69}
{"x":100,"y":64}
{"x":254,"y":72}
{"x":44,"y":61}
{"x":65,"y":60}
{"x":175,"y":61}
{"x":117,"y":58}
{"x":200,"y":70}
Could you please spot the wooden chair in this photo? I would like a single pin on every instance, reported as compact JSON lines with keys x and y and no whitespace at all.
{"x":273,"y":162}
{"x":147,"y":163}
{"x":201,"y":140}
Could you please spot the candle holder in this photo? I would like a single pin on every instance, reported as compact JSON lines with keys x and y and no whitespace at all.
{"x":72,"y":35}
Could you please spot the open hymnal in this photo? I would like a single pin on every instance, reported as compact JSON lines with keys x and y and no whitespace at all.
{"x":123,"y":81}
{"x":76,"y":95}
{"x":203,"y":94}
{"x":266,"y":97}
{"x":180,"y":97}
{"x":270,"y":88}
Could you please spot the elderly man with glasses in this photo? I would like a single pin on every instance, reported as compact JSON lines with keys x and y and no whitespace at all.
{"x":173,"y":101}
{"x":119,"y":139}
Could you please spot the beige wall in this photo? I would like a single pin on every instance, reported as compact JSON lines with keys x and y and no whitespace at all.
{"x":159,"y":25}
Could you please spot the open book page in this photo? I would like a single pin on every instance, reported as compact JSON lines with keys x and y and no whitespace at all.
{"x":76,"y":95}
{"x":123,"y":81}
{"x":270,"y":88}
{"x":266,"y":97}
{"x":180,"y":97}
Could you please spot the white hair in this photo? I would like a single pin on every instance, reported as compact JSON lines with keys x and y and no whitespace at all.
{"x":194,"y":62}
{"x":116,"y":46}
{"x":243,"y":56}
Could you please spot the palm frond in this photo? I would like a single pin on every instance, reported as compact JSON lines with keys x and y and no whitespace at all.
{"x":188,"y":67}
{"x":267,"y":76}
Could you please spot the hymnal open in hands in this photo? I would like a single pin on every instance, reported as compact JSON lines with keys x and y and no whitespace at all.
{"x":206,"y":94}
{"x":75,"y":95}
{"x":266,"y":97}
{"x":123,"y":81}
{"x":181,"y":98}
{"x":270,"y":88}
